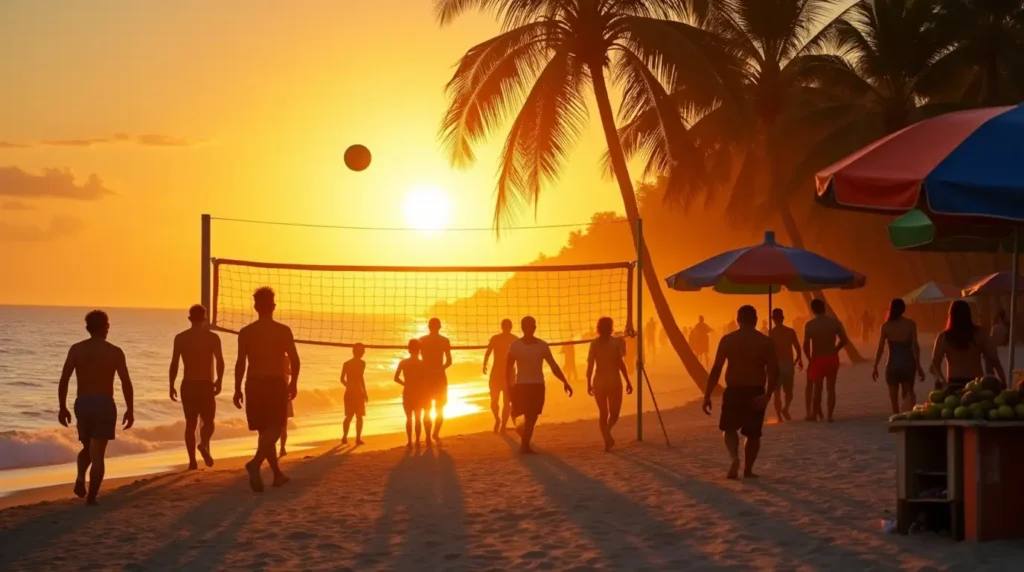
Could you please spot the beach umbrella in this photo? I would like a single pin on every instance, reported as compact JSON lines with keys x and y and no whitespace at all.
{"x":765,"y":268}
{"x":998,"y":284}
{"x":961,"y":170}
{"x":932,"y":293}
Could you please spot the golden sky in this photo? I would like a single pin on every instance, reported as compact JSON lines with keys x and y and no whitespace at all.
{"x":121,"y":122}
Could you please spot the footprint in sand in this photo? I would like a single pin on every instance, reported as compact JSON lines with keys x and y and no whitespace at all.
{"x":534,"y":555}
{"x":301,"y":535}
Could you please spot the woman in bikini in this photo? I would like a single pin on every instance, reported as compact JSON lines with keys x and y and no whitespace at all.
{"x":900,"y":334}
{"x":963,"y":345}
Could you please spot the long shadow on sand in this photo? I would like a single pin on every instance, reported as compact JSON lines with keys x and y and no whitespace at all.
{"x":609,"y":519}
{"x":33,"y":528}
{"x":423,"y":503}
{"x":208,"y":532}
{"x":757,"y":522}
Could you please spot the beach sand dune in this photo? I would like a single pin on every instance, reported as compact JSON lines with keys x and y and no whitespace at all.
{"x":476,"y":505}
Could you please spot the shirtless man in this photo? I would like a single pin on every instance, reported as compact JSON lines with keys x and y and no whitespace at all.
{"x":526,"y":358}
{"x":824,"y":336}
{"x":264,"y":344}
{"x":436,"y":353}
{"x":94,"y":362}
{"x":198,"y":348}
{"x":751,"y":378}
{"x":786,"y":343}
{"x":498,"y":346}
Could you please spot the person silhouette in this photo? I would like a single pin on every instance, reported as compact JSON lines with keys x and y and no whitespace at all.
{"x":356,"y":397}
{"x":94,"y":362}
{"x":526,"y":358}
{"x":700,"y":340}
{"x":605,"y":370}
{"x":409,"y":375}
{"x":568,"y":352}
{"x":498,"y":383}
{"x":436,"y":353}
{"x":262,"y":347}
{"x":198,"y":349}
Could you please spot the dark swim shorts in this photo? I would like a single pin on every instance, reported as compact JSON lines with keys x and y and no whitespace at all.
{"x":266,"y":403}
{"x":197,"y":399}
{"x":739,"y":413}
{"x":97,"y":417}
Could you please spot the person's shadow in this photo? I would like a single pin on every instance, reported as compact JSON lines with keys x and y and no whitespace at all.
{"x":423,"y":503}
{"x":613,"y":522}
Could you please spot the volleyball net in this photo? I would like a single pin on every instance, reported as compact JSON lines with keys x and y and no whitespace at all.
{"x":383,"y":307}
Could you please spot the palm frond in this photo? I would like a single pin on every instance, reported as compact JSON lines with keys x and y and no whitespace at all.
{"x":489,"y":83}
{"x":551,"y":119}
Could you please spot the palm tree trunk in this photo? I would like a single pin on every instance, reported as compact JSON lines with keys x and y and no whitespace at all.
{"x":798,"y":242}
{"x":651,"y":276}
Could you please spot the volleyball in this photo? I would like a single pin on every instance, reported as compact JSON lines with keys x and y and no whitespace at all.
{"x":357,"y":157}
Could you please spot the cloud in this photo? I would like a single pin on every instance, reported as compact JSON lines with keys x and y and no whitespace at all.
{"x":53,"y":183}
{"x":143,"y":140}
{"x":59,"y":226}
{"x":16,"y":206}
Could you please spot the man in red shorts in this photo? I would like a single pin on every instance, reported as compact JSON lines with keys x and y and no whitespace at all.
{"x":824,"y":336}
{"x":750,"y":380}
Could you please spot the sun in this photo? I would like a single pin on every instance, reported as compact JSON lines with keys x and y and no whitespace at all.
{"x":427,"y":208}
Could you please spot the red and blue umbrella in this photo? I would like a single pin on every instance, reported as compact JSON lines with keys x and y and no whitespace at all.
{"x":765,"y":268}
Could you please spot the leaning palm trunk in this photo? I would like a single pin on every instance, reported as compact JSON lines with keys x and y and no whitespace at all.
{"x":797,"y":240}
{"x":618,"y":160}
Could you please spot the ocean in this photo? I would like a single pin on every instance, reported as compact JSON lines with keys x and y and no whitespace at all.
{"x":36,"y":451}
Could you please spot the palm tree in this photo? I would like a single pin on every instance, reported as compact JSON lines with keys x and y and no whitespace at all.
{"x":989,"y":38}
{"x":771,"y":42}
{"x":538,"y":70}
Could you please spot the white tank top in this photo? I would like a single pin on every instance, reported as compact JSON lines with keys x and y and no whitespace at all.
{"x":529,"y":360}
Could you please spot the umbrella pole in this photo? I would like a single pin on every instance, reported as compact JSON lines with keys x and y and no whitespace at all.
{"x":769,"y":308}
{"x":1013,"y":303}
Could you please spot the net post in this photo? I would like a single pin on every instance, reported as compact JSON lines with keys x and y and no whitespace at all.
{"x":639,"y":328}
{"x":204,"y":254}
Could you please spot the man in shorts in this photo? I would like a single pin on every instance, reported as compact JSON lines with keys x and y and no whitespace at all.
{"x":436,"y":353}
{"x":752,"y":363}
{"x":786,"y":343}
{"x":526,"y":358}
{"x":94,"y":362}
{"x":198,"y":348}
{"x":824,"y":336}
{"x":700,"y":340}
{"x":498,"y":346}
{"x":263,"y":345}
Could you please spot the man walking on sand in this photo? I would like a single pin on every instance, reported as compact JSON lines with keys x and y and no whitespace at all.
{"x":198,"y":348}
{"x":263,"y":345}
{"x":526,"y":358}
{"x":752,"y":363}
{"x":786,"y":344}
{"x":824,"y":336}
{"x":651,"y":339}
{"x":94,"y":363}
{"x":498,"y":347}
{"x":436,"y":353}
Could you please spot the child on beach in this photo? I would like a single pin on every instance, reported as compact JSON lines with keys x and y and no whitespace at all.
{"x":355,"y":392}
{"x":415,"y":401}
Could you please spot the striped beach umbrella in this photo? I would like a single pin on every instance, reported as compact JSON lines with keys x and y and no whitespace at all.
{"x":765,"y":268}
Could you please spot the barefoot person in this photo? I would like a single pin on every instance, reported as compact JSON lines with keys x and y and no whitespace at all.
{"x":568,"y":352}
{"x":605,"y":371}
{"x":963,"y":346}
{"x":355,"y":392}
{"x":414,"y":394}
{"x":198,"y":348}
{"x":786,"y":345}
{"x":900,"y":333}
{"x":94,"y":362}
{"x":752,"y":363}
{"x":526,"y":357}
{"x":262,"y":346}
{"x":291,"y":409}
{"x":436,"y":353}
{"x":700,"y":340}
{"x":824,"y":336}
{"x":498,"y":347}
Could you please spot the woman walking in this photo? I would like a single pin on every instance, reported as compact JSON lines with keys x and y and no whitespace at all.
{"x":899,"y":333}
{"x":604,"y":366}
{"x":963,"y":345}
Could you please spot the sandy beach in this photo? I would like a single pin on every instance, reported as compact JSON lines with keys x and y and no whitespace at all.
{"x":475,"y":504}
